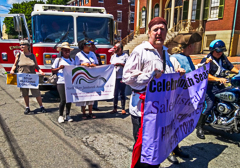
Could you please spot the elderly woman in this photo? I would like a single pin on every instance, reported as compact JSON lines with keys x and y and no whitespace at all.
{"x":57,"y":68}
{"x":27,"y":63}
{"x":86,"y":58}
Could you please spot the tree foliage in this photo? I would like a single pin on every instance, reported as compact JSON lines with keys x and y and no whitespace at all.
{"x":25,"y":8}
{"x":58,"y":2}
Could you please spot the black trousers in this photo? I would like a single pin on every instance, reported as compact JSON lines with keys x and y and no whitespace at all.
{"x":136,"y":121}
{"x":61,"y":91}
{"x":210,"y":97}
{"x":119,"y":86}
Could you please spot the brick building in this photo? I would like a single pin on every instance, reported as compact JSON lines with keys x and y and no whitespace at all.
{"x":122,"y":10}
{"x":214,"y":19}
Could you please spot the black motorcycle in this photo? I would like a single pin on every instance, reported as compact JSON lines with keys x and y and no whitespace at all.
{"x":225,"y":114}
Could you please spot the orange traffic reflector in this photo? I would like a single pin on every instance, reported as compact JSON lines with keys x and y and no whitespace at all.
{"x":11,"y":79}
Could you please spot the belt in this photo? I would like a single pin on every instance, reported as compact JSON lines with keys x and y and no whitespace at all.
{"x":136,"y":91}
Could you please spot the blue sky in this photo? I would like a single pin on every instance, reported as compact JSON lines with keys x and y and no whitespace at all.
{"x":7,"y":4}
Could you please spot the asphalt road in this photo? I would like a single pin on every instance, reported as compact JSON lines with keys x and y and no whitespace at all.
{"x":38,"y":140}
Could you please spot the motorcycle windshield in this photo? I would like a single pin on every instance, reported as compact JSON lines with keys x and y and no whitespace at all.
{"x":52,"y":29}
{"x":96,"y":28}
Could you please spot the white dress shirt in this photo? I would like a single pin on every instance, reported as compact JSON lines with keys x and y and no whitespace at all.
{"x":139,"y":69}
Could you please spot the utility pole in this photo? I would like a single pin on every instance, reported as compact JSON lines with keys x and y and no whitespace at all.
{"x":129,"y":17}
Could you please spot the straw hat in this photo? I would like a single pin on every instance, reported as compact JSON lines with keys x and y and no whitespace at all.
{"x":65,"y":45}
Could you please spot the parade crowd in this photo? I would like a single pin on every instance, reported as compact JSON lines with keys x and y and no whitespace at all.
{"x":148,"y":60}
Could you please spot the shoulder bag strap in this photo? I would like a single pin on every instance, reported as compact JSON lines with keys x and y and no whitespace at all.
{"x":18,"y":55}
{"x":86,"y":56}
{"x":59,"y":62}
{"x":164,"y":61}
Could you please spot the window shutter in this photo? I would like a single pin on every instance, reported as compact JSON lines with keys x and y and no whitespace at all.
{"x":198,"y":10}
{"x":140,"y":20}
{"x":206,"y":10}
{"x":221,"y":9}
{"x":185,"y":10}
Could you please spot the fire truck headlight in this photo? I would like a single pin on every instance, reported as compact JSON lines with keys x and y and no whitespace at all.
{"x":48,"y":61}
{"x":4,"y":56}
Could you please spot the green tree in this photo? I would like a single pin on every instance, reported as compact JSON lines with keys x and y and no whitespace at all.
{"x":58,"y":2}
{"x":25,"y":8}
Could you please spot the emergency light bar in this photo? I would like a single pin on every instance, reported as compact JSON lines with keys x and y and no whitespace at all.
{"x":65,"y":8}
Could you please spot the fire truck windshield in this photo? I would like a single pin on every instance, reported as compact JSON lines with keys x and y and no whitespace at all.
{"x":52,"y":28}
{"x":96,"y":28}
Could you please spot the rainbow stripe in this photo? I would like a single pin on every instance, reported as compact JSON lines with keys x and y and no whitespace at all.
{"x":81,"y":74}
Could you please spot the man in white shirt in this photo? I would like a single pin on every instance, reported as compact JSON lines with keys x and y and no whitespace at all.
{"x":147,"y":60}
{"x":119,"y":59}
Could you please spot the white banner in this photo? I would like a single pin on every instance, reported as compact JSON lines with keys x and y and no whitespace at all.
{"x":89,"y":83}
{"x":26,"y":80}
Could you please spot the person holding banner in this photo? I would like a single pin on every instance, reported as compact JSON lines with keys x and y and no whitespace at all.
{"x":215,"y":81}
{"x":149,"y":59}
{"x":86,"y":58}
{"x":27,"y":63}
{"x":119,"y":60}
{"x":93,"y":48}
{"x":57,"y":68}
{"x":181,"y":59}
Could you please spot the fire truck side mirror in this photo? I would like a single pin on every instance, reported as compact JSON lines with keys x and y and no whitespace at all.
{"x":17,"y":23}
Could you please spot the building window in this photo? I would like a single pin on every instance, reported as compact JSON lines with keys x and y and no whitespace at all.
{"x":82,"y":2}
{"x":143,"y":16}
{"x":214,"y":9}
{"x":100,"y":1}
{"x":156,"y":11}
{"x":132,"y":17}
{"x":194,"y":9}
{"x":119,"y":1}
{"x":78,"y":2}
{"x":74,"y":3}
{"x":86,"y":1}
{"x":132,"y":2}
{"x":119,"y":16}
{"x":209,"y":39}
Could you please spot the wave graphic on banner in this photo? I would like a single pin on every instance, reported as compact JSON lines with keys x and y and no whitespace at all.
{"x":81,"y":74}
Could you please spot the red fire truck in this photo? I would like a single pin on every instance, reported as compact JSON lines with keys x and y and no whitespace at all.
{"x":54,"y":24}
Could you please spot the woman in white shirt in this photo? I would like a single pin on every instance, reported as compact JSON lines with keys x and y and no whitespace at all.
{"x":57,"y":67}
{"x":86,"y":58}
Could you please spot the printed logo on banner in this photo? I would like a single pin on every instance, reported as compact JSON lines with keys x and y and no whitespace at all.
{"x":81,"y":74}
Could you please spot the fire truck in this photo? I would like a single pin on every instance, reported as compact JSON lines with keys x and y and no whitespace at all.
{"x":54,"y":24}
